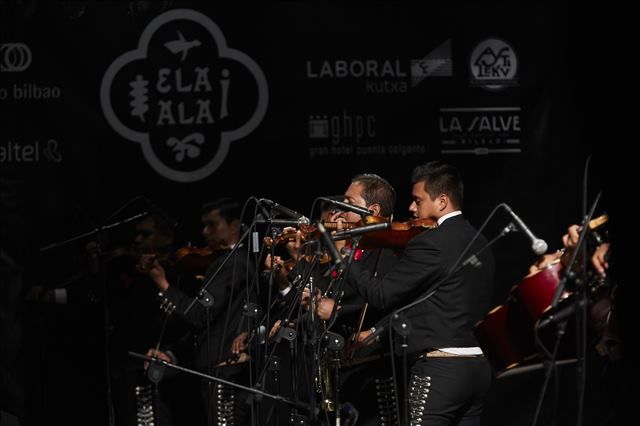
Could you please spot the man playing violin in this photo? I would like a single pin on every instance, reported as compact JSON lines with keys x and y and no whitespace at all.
{"x":449,"y":375}
{"x":369,"y":382}
{"x":135,"y":321}
{"x":217,"y":325}
{"x":359,"y":384}
{"x":376,"y":194}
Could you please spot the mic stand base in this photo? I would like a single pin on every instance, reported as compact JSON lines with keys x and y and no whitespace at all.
{"x":256,"y":392}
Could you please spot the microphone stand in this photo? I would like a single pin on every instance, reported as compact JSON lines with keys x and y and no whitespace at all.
{"x":579,"y":245}
{"x":208,"y":377}
{"x":203,"y":295}
{"x":581,"y":307}
{"x":334,"y":341}
{"x":402,"y":327}
{"x":96,"y":231}
{"x":270,"y":229}
{"x":458,"y":265}
{"x":311,"y":339}
{"x":206,"y":300}
{"x":284,"y":332}
{"x":155,"y":371}
{"x":98,"y":234}
{"x":344,"y":270}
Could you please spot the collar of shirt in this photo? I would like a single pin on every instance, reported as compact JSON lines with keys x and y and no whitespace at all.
{"x":448,"y":215}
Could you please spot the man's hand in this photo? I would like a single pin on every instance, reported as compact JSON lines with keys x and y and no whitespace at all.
{"x":281,"y":272}
{"x":324,"y":307}
{"x":157,"y":354}
{"x":274,"y":329}
{"x":305,"y":299}
{"x":293,"y":246}
{"x":149,"y":265}
{"x":598,"y":260}
{"x":240,"y":343}
{"x":570,"y":239}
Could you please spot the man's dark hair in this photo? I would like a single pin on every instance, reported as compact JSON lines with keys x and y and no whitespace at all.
{"x":377,"y":190}
{"x":161,"y":224}
{"x":229,"y":208}
{"x":440,"y":178}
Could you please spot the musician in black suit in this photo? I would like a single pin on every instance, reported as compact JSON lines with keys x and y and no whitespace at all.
{"x":217,"y":326}
{"x":365,"y":375}
{"x":449,"y":374}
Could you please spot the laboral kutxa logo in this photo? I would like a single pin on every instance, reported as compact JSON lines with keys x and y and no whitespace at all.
{"x":184,"y":95}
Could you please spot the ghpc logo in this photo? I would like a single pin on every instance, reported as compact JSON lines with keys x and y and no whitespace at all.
{"x":184,"y":95}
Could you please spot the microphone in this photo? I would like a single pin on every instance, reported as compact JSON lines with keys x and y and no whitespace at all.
{"x":328,"y":242}
{"x":347,"y":207}
{"x":285,"y":210}
{"x":354,"y":232}
{"x":281,"y":222}
{"x":539,"y":246}
{"x":561,"y":314}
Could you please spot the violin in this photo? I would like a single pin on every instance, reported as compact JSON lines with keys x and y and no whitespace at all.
{"x":310,"y":232}
{"x":288,"y":265}
{"x":397,"y":235}
{"x":195,"y":259}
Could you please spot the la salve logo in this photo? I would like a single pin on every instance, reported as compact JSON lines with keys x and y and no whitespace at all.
{"x":184,"y":95}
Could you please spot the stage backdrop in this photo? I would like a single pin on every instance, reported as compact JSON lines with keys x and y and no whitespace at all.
{"x":106,"y":105}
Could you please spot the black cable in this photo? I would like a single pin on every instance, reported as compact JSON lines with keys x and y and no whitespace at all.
{"x":581,"y":347}
{"x":562,"y":324}
{"x":227,"y":319}
{"x":288,"y":314}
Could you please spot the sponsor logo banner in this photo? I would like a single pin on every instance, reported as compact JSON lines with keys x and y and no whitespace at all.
{"x":184,"y":95}
{"x":480,"y":130}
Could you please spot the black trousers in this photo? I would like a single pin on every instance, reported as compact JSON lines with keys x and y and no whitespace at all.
{"x":448,"y":390}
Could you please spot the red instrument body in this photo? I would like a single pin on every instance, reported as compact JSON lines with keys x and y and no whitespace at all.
{"x":506,"y":333}
{"x":534,"y":294}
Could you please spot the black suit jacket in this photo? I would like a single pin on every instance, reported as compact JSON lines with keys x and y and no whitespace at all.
{"x":375,"y":263}
{"x":229,"y":292}
{"x":447,"y":318}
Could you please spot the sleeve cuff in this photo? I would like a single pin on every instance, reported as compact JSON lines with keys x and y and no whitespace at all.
{"x":285,"y":291}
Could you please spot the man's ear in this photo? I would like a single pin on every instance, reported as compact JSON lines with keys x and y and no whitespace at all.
{"x":443,"y":201}
{"x":375,"y":208}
